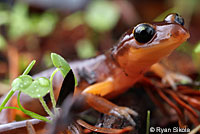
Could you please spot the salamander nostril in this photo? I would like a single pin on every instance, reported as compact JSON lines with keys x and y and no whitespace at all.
{"x":178,"y":19}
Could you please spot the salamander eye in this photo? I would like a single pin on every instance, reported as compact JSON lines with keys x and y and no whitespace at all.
{"x":178,"y":19}
{"x":143,"y":33}
{"x":175,"y":18}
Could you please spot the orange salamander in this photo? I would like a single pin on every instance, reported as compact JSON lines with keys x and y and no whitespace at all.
{"x":139,"y":50}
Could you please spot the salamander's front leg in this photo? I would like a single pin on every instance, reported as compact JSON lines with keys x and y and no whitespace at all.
{"x":104,"y":106}
{"x":168,"y":76}
{"x":93,"y":97}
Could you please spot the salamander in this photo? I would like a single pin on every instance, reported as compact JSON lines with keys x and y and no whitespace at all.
{"x":139,"y":50}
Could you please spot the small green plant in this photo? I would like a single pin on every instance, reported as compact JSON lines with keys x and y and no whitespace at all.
{"x":37,"y":88}
{"x":148,"y":122}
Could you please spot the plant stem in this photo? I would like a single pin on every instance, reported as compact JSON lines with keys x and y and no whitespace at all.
{"x":53,"y":101}
{"x":148,"y":122}
{"x":12,"y":108}
{"x":46,"y":107}
{"x":31,"y":114}
{"x":28,"y":69}
{"x":10,"y":93}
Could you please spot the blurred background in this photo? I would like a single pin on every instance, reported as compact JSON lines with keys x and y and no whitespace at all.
{"x":78,"y":29}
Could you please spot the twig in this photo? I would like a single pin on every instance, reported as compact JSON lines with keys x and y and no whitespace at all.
{"x":30,"y":128}
{"x":195,"y":130}
{"x":20,"y":124}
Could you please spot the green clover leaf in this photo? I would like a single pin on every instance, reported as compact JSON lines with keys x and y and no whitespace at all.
{"x":60,"y":63}
{"x":34,"y":88}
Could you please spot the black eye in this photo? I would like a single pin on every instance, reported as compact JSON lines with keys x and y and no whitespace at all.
{"x":143,"y":33}
{"x":174,"y":18}
{"x":178,"y":19}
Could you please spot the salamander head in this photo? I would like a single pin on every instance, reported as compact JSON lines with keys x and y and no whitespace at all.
{"x":148,"y":43}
